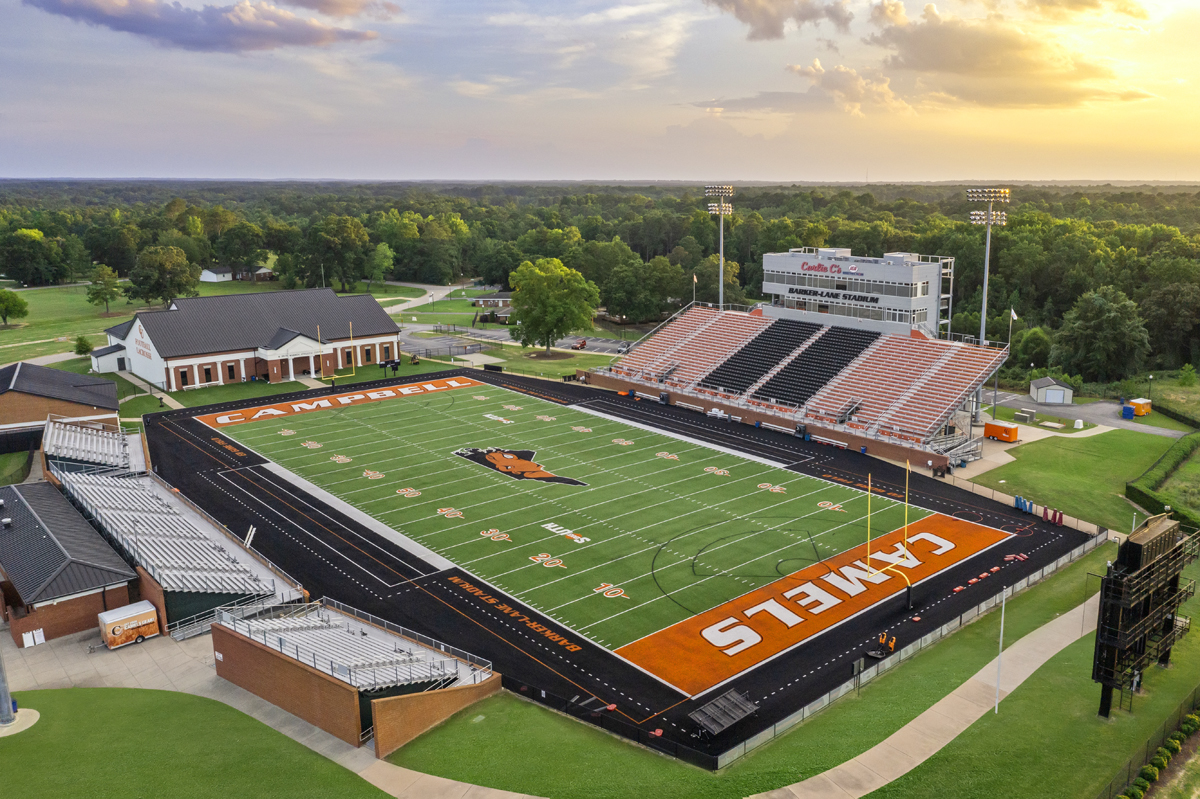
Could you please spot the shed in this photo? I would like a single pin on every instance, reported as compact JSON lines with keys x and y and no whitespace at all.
{"x":216,"y":274}
{"x":106,"y":360}
{"x":1050,"y":391}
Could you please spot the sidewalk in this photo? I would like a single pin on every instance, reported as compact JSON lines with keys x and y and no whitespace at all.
{"x":167,"y":399}
{"x":921,"y":738}
{"x":187,"y":666}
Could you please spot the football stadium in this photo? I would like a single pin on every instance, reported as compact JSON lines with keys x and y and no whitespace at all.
{"x":695,"y":547}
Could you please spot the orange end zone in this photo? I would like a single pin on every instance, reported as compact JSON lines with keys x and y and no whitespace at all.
{"x":708,"y":649}
{"x":284,"y":409}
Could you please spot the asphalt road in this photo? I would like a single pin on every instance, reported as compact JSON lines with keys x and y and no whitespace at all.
{"x":332,"y":554}
{"x":1105,"y":412}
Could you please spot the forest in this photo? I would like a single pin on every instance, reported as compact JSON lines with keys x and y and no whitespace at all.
{"x":1104,"y":280}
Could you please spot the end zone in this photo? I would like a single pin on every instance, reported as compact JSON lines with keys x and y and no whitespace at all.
{"x":700,"y":653}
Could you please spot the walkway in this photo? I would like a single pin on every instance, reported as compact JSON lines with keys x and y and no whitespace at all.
{"x":167,"y":399}
{"x":921,"y":738}
{"x":187,"y":666}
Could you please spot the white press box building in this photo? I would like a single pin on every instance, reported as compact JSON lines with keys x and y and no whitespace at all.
{"x":893,"y":294}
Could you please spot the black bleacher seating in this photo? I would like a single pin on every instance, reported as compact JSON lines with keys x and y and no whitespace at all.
{"x":816,"y":366}
{"x":747,"y":366}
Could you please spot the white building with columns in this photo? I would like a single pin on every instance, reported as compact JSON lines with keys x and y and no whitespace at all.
{"x":266,"y":335}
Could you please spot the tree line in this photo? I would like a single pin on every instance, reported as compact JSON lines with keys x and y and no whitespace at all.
{"x":1105,"y":281}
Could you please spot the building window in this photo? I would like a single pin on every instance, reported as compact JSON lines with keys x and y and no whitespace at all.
{"x":387,"y":352}
{"x":183,"y":378}
{"x":349,"y":357}
{"x":232,"y":372}
{"x":208,"y":374}
{"x":367,"y":355}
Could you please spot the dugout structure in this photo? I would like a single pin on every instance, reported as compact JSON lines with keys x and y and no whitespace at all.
{"x":1139,"y":603}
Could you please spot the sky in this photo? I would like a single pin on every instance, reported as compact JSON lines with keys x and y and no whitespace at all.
{"x":705,"y":90}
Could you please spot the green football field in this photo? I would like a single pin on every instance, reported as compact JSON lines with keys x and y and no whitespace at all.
{"x":663,"y":528}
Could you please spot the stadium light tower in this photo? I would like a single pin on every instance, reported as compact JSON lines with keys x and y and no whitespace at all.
{"x":720,"y":208}
{"x":989,"y":217}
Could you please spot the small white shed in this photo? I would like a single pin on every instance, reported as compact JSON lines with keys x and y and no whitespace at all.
{"x":216,"y":274}
{"x":109,"y":359}
{"x":1049,"y":391}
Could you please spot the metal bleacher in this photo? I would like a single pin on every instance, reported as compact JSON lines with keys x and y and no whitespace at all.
{"x":159,"y":539}
{"x":761,"y":354}
{"x":86,"y":443}
{"x":368,"y":656}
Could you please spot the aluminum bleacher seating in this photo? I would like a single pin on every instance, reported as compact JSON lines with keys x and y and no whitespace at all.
{"x":87,"y":444}
{"x":161,"y":540}
{"x":727,"y":334}
{"x":651,"y":354}
{"x":816,"y":366}
{"x":761,"y":354}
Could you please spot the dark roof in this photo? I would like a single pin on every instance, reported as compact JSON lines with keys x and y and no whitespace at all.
{"x":121,"y":331}
{"x":1043,"y":382}
{"x":281,"y":337}
{"x":109,"y":350}
{"x":41,"y":381}
{"x":496,"y":295}
{"x":219,"y":270}
{"x":227,"y":323}
{"x":51,"y":551}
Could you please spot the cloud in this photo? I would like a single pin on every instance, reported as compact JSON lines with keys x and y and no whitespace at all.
{"x":888,"y":12}
{"x":851,"y":90}
{"x":993,"y":62}
{"x":348,"y":8}
{"x":767,"y":18}
{"x":229,"y":29}
{"x":1062,"y":8}
{"x":775,"y":102}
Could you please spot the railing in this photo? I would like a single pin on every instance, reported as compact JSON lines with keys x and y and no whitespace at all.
{"x":434,"y":671}
{"x":202,"y":622}
{"x":483,"y":668}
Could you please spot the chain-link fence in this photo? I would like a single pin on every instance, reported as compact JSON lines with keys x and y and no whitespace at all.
{"x":1128,"y":772}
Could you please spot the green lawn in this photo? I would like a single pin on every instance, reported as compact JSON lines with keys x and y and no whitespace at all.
{"x":1183,"y":487}
{"x":1048,"y":733}
{"x":1006,"y":414}
{"x":588,"y":763}
{"x":656,"y":526}
{"x":124,"y":743}
{"x":235,"y":391}
{"x":445,"y":306}
{"x":1084,"y":477}
{"x":12,"y":467}
{"x":525,"y":361}
{"x":1156,"y":419}
{"x":140,"y":406}
{"x":1186,"y":784}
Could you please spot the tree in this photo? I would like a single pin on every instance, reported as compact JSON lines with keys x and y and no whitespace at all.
{"x":708,"y":277}
{"x":1034,"y":348}
{"x":1172,"y":314}
{"x":163,"y":273}
{"x":29,"y":257}
{"x":82,"y":345}
{"x":379,"y":266}
{"x":335,"y":249}
{"x":241,"y":248}
{"x":12,"y":305}
{"x":1102,"y":337}
{"x":105,"y":288}
{"x":550,"y":301}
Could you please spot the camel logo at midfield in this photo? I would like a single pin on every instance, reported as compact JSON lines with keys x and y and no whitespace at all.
{"x":516,"y":463}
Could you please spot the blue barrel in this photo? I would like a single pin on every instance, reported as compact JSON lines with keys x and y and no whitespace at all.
{"x":1127,"y":412}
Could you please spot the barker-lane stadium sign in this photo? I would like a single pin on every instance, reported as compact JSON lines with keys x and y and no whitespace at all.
{"x":219,"y":420}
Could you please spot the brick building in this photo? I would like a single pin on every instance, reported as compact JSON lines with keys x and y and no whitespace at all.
{"x":268,"y":335}
{"x":29,"y":393}
{"x":56,"y":571}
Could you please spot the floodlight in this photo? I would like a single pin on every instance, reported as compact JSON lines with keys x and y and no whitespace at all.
{"x":718,"y":191}
{"x":720,"y":208}
{"x":986,"y":217}
{"x":988,"y":195}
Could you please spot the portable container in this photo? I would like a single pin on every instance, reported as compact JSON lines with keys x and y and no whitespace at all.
{"x":1000,"y":431}
{"x":130,"y":624}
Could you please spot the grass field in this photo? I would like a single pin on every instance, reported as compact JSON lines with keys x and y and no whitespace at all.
{"x":529,"y":361}
{"x":660,"y":524}
{"x":1156,"y":419}
{"x":1183,"y":487}
{"x":12,"y":467}
{"x":124,"y":743}
{"x":590,"y":764}
{"x":1085,"y":477}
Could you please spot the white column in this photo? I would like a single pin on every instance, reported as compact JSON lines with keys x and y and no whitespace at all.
{"x":312,"y":367}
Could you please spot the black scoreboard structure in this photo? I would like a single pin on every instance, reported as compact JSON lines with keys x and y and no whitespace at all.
{"x":1140,"y":597}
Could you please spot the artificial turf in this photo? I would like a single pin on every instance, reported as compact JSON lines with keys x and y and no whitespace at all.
{"x":678,"y":527}
{"x":1084,"y":477}
{"x":581,"y":762}
{"x":126,"y":743}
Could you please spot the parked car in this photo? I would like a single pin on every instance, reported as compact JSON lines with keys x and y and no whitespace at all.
{"x":578,"y":345}
{"x":623,"y":348}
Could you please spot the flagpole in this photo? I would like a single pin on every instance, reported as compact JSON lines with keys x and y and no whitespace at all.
{"x":996,"y":391}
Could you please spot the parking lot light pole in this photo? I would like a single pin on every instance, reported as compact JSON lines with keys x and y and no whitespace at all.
{"x":720,"y":208}
{"x":989,"y":218}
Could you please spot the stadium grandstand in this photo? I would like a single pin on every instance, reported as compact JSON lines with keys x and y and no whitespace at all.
{"x":370,"y":657}
{"x":91,"y":444}
{"x":904,"y":390}
{"x":197,"y":567}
